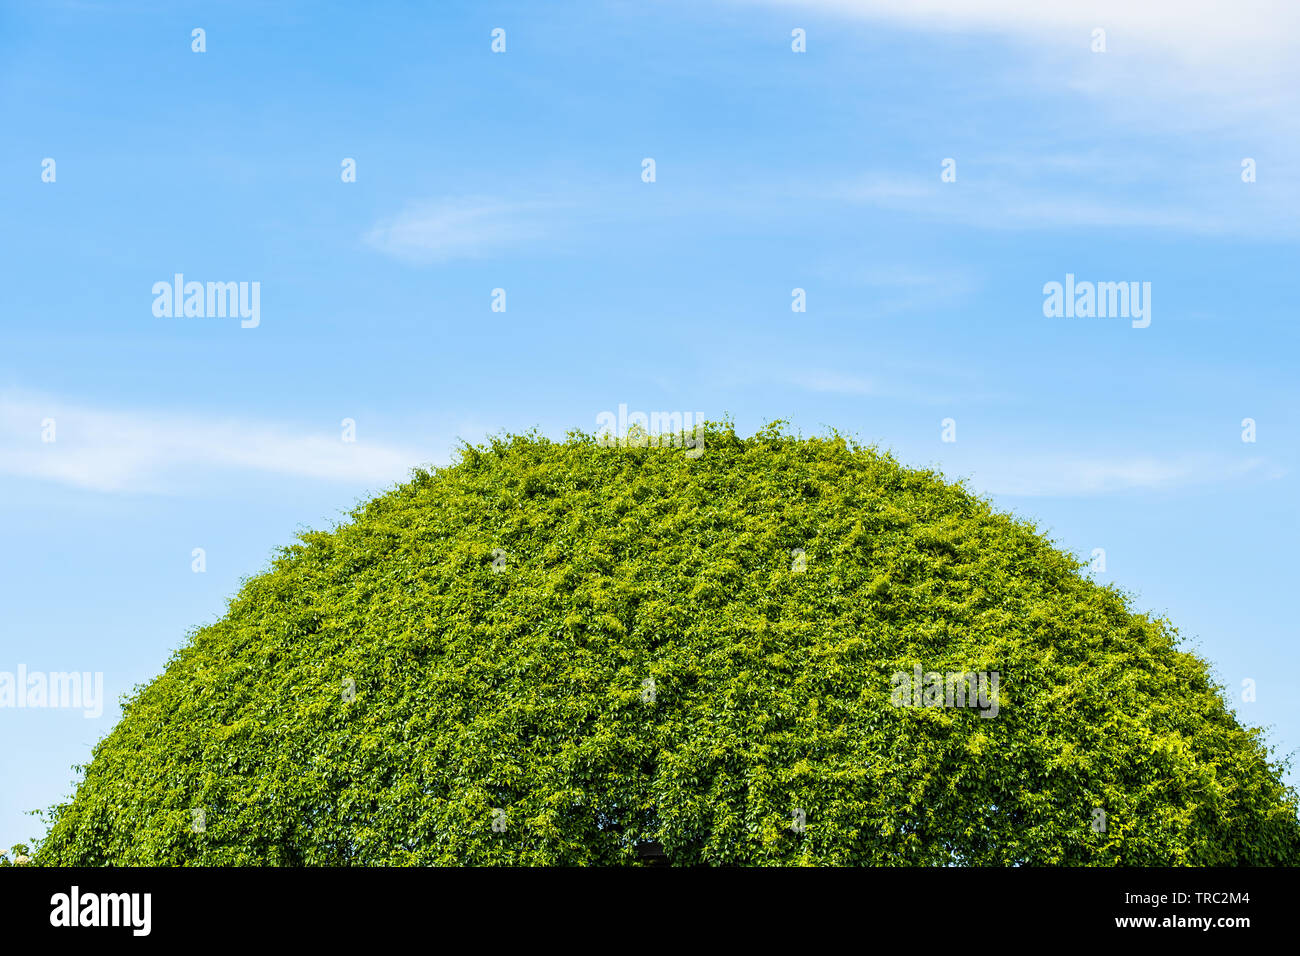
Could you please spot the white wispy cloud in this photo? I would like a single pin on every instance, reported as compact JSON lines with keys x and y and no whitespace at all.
{"x":1212,"y":82}
{"x":1188,"y":66}
{"x":457,"y":228}
{"x":837,"y":384}
{"x":1073,"y":475}
{"x":1247,"y":38}
{"x":896,"y":288}
{"x":157,"y":452}
{"x":1210,"y":204}
{"x":900,"y":381}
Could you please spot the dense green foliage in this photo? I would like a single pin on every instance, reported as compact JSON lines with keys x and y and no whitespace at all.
{"x":17,"y":855}
{"x":562,"y":650}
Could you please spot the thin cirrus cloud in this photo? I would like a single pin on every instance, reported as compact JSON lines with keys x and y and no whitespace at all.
{"x":457,"y":228}
{"x":1245,"y":37}
{"x":147,"y":452}
{"x":1053,"y":475}
{"x":853,"y":385}
{"x":1004,"y":204}
{"x":1191,"y":68}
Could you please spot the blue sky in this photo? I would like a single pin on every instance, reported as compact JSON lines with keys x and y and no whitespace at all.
{"x":522,"y":171}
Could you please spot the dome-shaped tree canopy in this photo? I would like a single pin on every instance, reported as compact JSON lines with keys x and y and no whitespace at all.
{"x":557,"y":653}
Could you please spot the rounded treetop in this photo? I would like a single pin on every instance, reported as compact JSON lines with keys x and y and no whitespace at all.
{"x":770,"y":650}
